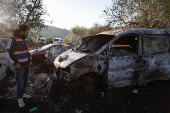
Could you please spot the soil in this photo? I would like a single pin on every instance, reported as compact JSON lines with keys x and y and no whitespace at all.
{"x":152,"y":98}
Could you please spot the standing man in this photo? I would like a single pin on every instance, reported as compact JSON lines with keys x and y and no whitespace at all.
{"x":18,"y":54}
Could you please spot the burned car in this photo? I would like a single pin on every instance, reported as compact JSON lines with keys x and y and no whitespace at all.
{"x":4,"y":61}
{"x":52,"y":53}
{"x":38,"y":55}
{"x":116,"y":58}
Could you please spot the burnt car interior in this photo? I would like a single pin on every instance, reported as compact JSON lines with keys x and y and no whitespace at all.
{"x":127,"y":45}
{"x":95,"y":43}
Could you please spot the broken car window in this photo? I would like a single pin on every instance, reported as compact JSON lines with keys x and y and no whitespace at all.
{"x":104,"y":52}
{"x":154,"y":44}
{"x":55,"y":47}
{"x":66,"y":48}
{"x":96,"y":43}
{"x":125,"y":46}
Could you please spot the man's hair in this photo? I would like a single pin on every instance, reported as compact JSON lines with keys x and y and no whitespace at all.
{"x":23,"y":28}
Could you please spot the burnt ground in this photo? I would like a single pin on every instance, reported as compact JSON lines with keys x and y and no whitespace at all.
{"x":153,"y":98}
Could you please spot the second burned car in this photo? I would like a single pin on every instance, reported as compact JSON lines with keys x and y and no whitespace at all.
{"x":117,"y":58}
{"x":38,"y":55}
{"x":54,"y":52}
{"x":5,"y":63}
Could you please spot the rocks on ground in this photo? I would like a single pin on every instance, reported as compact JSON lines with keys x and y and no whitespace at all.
{"x":153,"y":98}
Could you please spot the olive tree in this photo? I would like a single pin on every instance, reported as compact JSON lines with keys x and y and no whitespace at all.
{"x":138,"y":14}
{"x":17,"y":12}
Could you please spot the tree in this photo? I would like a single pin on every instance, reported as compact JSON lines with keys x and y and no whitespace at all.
{"x":17,"y":12}
{"x":74,"y":33}
{"x":49,"y":40}
{"x":97,"y":28}
{"x":138,"y":14}
{"x":77,"y":33}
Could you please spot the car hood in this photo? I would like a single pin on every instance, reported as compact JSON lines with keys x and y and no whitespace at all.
{"x":67,"y":58}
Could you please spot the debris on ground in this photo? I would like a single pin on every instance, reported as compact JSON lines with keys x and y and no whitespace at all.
{"x":118,"y":100}
{"x":36,"y":81}
{"x":67,"y":98}
{"x":135,"y":91}
{"x":33,"y":109}
{"x":78,"y":111}
{"x":102,"y":94}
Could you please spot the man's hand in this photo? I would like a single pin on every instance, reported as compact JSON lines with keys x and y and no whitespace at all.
{"x":30,"y":63}
{"x":17,"y":65}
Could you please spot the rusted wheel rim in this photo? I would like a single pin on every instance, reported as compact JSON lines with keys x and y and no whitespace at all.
{"x":90,"y":88}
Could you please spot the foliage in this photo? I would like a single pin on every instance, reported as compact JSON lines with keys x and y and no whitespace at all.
{"x":97,"y":28}
{"x":77,"y":33}
{"x":49,"y":40}
{"x":16,"y":12}
{"x":138,"y":14}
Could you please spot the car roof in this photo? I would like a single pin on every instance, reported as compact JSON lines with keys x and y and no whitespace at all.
{"x":134,"y":31}
{"x":130,"y":32}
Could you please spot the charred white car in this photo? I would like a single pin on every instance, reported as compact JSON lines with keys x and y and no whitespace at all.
{"x":4,"y":61}
{"x":116,"y":58}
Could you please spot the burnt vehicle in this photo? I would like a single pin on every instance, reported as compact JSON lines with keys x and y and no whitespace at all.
{"x":116,"y":58}
{"x":38,"y":55}
{"x":52,"y":53}
{"x":5,"y":64}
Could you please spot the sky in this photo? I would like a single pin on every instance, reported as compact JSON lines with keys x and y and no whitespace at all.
{"x":67,"y":14}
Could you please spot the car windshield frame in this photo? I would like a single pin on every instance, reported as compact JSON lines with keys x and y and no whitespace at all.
{"x":100,"y":44}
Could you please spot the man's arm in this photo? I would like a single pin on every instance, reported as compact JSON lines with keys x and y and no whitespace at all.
{"x":30,"y":58}
{"x":10,"y":51}
{"x":29,"y":55}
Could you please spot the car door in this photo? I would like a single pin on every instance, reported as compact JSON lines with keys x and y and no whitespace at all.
{"x":125,"y":63}
{"x":155,"y":51}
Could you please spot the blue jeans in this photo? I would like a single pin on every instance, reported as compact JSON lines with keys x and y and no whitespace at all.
{"x":21,"y":76}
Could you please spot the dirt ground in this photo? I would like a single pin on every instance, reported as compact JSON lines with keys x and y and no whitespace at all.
{"x":153,"y":98}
